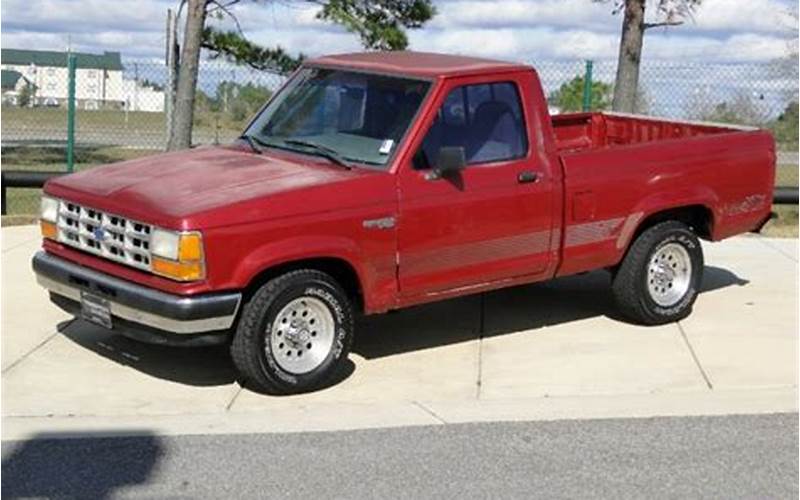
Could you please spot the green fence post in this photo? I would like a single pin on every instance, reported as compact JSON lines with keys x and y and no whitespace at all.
{"x":587,"y":87}
{"x":71,"y":113}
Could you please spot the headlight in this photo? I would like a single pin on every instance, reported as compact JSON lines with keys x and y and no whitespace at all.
{"x":48,"y":217}
{"x":177,"y":255}
{"x":48,"y":209}
{"x":165,"y":244}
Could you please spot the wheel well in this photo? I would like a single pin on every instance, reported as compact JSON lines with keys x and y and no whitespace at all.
{"x":697,"y":217}
{"x":338,"y":269}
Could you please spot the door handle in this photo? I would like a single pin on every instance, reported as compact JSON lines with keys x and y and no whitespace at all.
{"x":526,"y":176}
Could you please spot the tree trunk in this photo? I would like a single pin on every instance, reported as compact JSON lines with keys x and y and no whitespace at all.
{"x":187,"y":76}
{"x":630,"y":55}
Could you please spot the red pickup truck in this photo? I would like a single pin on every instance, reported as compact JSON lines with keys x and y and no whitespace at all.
{"x":377,"y":181}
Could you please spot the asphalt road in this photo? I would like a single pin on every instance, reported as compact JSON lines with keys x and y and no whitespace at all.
{"x":684,"y":457}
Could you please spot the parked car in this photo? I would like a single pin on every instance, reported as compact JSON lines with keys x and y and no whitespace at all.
{"x":378,"y":181}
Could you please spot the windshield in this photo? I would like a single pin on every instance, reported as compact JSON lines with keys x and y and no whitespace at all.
{"x":356,"y":117}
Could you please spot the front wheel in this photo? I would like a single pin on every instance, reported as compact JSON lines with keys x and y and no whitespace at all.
{"x":660,"y":276}
{"x":294,"y":334}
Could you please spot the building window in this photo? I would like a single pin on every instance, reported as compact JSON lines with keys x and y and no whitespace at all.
{"x":51,"y":72}
{"x":92,"y":73}
{"x":92,"y":89}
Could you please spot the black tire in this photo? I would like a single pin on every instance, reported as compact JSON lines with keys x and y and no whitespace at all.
{"x":252,"y":352}
{"x":630,"y":283}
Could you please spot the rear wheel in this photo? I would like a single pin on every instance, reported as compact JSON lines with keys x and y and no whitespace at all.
{"x":660,"y":276}
{"x":294,"y":334}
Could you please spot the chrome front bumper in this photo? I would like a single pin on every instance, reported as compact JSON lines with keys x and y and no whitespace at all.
{"x":137,"y":304}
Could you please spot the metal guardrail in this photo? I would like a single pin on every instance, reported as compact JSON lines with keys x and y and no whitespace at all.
{"x":23,"y":179}
{"x":785,"y":196}
{"x":32,"y":179}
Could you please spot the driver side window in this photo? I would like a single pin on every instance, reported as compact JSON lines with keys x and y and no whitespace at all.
{"x":485,"y":119}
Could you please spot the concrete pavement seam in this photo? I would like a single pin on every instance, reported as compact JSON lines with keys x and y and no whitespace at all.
{"x":694,"y":356}
{"x":780,"y":251}
{"x":429,"y":412}
{"x":481,"y":326}
{"x":24,"y":356}
{"x":6,"y":250}
{"x":233,"y":399}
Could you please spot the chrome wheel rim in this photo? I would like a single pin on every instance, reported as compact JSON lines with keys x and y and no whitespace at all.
{"x":302,"y":335}
{"x":669,"y":274}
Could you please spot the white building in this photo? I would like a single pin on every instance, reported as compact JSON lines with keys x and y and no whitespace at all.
{"x":98,"y":78}
{"x":14,"y":86}
{"x":142,"y":97}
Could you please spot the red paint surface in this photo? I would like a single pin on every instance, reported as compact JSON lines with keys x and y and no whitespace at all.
{"x":599,"y":176}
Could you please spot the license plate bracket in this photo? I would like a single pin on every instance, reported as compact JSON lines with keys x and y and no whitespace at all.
{"x":96,"y":310}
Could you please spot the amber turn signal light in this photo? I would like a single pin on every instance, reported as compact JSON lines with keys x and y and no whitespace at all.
{"x":181,"y":271}
{"x":190,"y":247}
{"x":49,"y":229}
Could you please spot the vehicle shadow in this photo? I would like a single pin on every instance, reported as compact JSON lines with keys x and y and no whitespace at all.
{"x":88,"y":465}
{"x":199,"y":366}
{"x":500,"y":312}
{"x":527,"y":307}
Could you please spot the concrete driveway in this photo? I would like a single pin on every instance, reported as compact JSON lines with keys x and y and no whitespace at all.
{"x":548,"y":351}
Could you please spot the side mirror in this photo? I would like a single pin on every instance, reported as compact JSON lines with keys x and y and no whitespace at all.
{"x":451,"y":160}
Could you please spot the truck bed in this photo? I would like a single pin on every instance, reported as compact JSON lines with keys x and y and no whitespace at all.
{"x":582,"y":131}
{"x":620,"y":169}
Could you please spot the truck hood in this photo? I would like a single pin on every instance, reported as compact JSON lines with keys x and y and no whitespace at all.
{"x":171,"y":188}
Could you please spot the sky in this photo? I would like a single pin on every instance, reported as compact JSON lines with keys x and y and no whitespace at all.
{"x":722,"y":31}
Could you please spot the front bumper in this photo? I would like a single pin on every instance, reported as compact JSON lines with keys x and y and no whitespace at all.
{"x":138,"y":311}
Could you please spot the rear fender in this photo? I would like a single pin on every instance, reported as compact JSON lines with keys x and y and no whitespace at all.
{"x":664,"y":201}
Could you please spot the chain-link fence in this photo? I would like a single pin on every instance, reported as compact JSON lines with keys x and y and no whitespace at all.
{"x":120,"y":107}
{"x":120,"y":112}
{"x":763,"y":95}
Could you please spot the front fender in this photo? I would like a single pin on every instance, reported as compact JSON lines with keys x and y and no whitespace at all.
{"x":276,"y":253}
{"x":300,"y":248}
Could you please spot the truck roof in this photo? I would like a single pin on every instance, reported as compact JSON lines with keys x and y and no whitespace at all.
{"x":424,"y":64}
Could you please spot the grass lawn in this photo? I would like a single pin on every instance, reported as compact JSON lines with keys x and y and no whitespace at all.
{"x":786,"y":175}
{"x":31,"y":118}
{"x":113,"y":122}
{"x":785,"y":225}
{"x":23,"y":203}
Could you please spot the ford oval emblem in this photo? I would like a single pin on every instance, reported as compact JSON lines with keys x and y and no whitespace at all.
{"x":99,"y":234}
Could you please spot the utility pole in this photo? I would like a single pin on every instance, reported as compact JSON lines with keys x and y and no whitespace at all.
{"x":136,"y":86}
{"x":71,"y":64}
{"x":172,"y":73}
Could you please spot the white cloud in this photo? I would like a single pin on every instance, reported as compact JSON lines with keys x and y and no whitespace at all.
{"x":763,"y":16}
{"x":524,"y":13}
{"x":722,"y":30}
{"x":548,"y":44}
{"x":737,"y":48}
{"x":82,"y":16}
{"x":766,"y":16}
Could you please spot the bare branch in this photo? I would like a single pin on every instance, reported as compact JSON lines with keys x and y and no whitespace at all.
{"x":220,"y":5}
{"x":665,"y":23}
{"x":180,"y":9}
{"x":225,"y":8}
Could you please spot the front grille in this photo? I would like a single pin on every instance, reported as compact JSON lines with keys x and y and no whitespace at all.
{"x":111,"y":236}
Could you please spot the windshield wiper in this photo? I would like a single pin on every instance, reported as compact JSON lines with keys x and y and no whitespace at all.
{"x":323,"y":151}
{"x":251,"y":141}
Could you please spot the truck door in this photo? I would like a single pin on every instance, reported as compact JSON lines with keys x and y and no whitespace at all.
{"x":491,"y":221}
